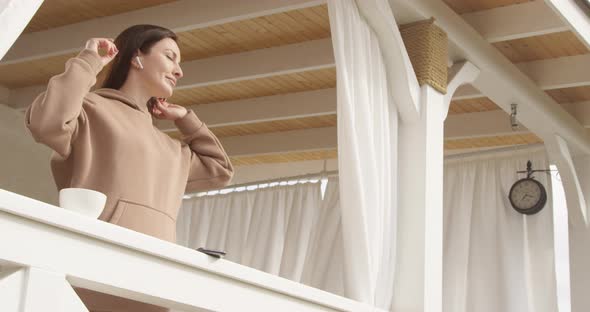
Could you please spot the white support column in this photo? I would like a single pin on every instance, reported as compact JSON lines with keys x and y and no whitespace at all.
{"x":37,"y":290}
{"x":418,"y":282}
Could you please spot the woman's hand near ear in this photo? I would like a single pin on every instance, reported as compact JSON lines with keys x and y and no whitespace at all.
{"x":105,"y":44}
{"x":169,"y":111}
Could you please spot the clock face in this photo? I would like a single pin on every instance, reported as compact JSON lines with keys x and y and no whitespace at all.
{"x":528,"y":196}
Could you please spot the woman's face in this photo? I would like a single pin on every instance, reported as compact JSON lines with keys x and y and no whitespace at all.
{"x":161,"y":68}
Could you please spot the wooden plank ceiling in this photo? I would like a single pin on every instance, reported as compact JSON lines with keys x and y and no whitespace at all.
{"x":542,"y":47}
{"x":295,"y":26}
{"x":55,"y":13}
{"x":258,"y":33}
{"x":259,"y":87}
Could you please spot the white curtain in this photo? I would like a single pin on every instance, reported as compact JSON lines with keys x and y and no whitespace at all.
{"x":496,"y":259}
{"x":367,"y":150}
{"x":268,"y":229}
{"x":287,"y":231}
{"x":324,"y":264}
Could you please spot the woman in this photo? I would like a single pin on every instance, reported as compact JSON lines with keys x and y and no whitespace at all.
{"x":104,"y":140}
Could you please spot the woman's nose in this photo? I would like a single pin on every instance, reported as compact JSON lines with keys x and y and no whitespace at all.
{"x":178,"y":72}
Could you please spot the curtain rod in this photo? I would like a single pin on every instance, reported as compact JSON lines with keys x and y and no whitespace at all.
{"x":495,"y":150}
{"x":320,"y":175}
{"x":309,"y":176}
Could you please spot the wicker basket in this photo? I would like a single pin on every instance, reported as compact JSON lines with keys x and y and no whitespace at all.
{"x":427,"y":47}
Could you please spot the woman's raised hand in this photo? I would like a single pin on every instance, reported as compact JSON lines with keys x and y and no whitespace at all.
{"x":167,"y":110}
{"x":104,"y":44}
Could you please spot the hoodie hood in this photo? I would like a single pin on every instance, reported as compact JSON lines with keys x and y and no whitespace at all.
{"x":115,"y":94}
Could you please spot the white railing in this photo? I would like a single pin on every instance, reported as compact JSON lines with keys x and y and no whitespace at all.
{"x":45,"y":250}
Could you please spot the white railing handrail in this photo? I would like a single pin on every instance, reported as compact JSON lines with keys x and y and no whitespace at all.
{"x":111,"y":259}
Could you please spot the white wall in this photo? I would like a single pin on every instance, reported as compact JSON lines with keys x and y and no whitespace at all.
{"x":24,"y":164}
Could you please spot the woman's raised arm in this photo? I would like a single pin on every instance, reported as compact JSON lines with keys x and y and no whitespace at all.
{"x":54,"y":115}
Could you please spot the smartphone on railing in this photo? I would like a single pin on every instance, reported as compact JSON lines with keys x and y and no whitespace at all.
{"x":211,"y":252}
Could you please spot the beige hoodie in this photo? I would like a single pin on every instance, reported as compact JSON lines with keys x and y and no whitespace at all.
{"x":106,"y":142}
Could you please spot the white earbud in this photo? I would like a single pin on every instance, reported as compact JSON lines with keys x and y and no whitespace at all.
{"x":139,"y":62}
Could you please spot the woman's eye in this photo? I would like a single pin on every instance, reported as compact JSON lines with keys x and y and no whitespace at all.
{"x":169,"y":57}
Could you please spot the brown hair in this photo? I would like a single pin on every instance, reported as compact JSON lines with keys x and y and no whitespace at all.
{"x":142,"y":37}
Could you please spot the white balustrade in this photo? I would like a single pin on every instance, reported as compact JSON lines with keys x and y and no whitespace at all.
{"x":46,"y":250}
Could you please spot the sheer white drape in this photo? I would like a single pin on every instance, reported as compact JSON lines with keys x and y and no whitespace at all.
{"x":324,"y":264}
{"x":367,"y":157}
{"x":288,"y":231}
{"x":496,"y":259}
{"x":267,"y":229}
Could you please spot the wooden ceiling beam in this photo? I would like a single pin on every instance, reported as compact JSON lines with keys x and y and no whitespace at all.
{"x":515,"y":21}
{"x":551,"y":74}
{"x":558,"y":73}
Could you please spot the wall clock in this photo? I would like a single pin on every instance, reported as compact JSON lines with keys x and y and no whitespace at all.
{"x":528,"y":196}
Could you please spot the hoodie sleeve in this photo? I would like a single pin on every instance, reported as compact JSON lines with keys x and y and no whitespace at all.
{"x":55,"y":115}
{"x":210,"y":166}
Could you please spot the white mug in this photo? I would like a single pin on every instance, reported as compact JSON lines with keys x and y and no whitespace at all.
{"x":83,"y":201}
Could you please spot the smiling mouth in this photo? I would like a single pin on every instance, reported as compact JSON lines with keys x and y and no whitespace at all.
{"x":172,"y":82}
